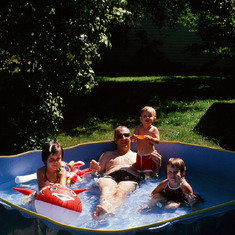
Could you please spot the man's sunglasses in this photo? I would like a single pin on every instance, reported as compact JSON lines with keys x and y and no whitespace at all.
{"x":120,"y":136}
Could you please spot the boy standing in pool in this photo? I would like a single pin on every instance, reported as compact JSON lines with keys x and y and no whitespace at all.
{"x":147,"y":136}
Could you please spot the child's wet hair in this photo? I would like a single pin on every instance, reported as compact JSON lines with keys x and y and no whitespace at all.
{"x":178,"y":163}
{"x":52,"y":147}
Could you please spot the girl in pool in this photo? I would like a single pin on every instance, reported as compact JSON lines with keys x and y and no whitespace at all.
{"x":175,"y":189}
{"x":52,"y":172}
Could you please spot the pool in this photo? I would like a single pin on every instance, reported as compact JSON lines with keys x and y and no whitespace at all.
{"x":204,"y":173}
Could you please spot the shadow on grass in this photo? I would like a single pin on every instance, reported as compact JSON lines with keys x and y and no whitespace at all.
{"x":119,"y":103}
{"x":218,"y":124}
{"x":111,"y":104}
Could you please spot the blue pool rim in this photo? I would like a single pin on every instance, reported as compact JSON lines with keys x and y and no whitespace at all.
{"x":215,"y":210}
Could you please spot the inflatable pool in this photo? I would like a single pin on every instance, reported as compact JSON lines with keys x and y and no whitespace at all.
{"x":209,"y":171}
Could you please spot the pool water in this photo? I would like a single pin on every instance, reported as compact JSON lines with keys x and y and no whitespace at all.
{"x":213,"y":189}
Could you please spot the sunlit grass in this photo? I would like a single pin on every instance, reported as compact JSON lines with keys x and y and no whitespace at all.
{"x":173,"y":126}
{"x":176,"y":117}
{"x":143,"y":78}
{"x":132,"y":79}
{"x":102,"y":132}
{"x":179,"y":125}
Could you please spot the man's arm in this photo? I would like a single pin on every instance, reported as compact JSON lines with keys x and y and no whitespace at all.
{"x":99,"y":166}
{"x":95,"y":166}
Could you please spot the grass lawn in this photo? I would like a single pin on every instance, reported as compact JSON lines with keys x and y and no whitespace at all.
{"x":190,"y":109}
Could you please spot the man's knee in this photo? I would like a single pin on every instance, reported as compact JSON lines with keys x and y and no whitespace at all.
{"x":107,"y":190}
{"x":124,"y":188}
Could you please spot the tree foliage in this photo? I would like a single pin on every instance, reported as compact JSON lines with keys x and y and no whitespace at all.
{"x":213,"y":20}
{"x":48,"y":47}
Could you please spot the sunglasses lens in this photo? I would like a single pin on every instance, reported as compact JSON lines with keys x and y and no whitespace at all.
{"x":120,"y":136}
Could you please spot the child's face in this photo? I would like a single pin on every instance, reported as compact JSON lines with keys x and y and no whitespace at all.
{"x":174,"y":175}
{"x":54,"y":161}
{"x":147,"y":118}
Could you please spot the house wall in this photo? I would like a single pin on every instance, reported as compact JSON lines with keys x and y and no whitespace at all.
{"x":146,"y":50}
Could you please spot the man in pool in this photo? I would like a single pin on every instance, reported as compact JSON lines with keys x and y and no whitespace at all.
{"x":120,"y":175}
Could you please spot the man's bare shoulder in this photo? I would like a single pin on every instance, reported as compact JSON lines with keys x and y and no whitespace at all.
{"x":115,"y":153}
{"x":107,"y":156}
{"x":131,"y":153}
{"x":109,"y":153}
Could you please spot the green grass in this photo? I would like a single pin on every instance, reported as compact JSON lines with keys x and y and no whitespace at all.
{"x":181,"y":103}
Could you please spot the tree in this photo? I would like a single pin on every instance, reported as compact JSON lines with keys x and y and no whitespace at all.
{"x":46,"y":48}
{"x":213,"y":20}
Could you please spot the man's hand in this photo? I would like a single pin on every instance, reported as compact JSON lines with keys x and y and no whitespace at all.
{"x":95,"y":166}
{"x":157,"y":158}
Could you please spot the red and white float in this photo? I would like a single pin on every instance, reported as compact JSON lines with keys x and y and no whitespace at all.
{"x":56,"y":202}
{"x":74,"y":174}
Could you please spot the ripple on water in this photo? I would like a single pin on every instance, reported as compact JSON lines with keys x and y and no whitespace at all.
{"x":128,"y":215}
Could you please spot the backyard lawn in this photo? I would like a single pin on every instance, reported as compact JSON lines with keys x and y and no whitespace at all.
{"x":190,"y":109}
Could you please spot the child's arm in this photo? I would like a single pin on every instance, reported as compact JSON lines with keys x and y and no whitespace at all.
{"x":134,"y":137}
{"x":159,"y":188}
{"x":188,"y":192}
{"x":156,"y":194}
{"x":62,"y":177}
{"x":154,"y":137}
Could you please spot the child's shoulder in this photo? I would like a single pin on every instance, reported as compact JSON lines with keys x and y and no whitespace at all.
{"x":184,"y":183}
{"x":164,"y":182}
{"x":41,"y":169}
{"x":138,"y":127}
{"x":154,"y":128}
{"x":186,"y":186}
